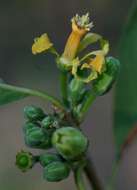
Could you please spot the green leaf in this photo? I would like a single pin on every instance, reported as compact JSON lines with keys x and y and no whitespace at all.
{"x":9,"y":93}
{"x":90,"y":38}
{"x":125,"y":116}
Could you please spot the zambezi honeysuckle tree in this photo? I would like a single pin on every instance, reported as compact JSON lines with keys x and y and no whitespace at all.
{"x":83,"y":77}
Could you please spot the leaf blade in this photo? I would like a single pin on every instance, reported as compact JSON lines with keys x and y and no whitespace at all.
{"x":9,"y":93}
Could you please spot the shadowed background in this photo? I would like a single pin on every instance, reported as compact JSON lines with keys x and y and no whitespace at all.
{"x":20,"y":22}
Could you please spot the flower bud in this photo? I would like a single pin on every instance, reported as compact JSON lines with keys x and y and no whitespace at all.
{"x":48,"y":158}
{"x":36,"y":138}
{"x":49,"y":122}
{"x":69,"y":142}
{"x":106,"y":80}
{"x":28,"y":126}
{"x":56,"y":171}
{"x":33,"y":113}
{"x":76,"y":90}
{"x":25,"y":161}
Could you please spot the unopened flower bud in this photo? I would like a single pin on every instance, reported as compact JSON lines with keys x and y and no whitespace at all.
{"x":33,"y":113}
{"x":28,"y":126}
{"x":56,"y":171}
{"x":69,"y":142}
{"x":76,"y":90}
{"x":48,"y":158}
{"x":106,"y":80}
{"x":36,"y":138}
{"x":49,"y":122}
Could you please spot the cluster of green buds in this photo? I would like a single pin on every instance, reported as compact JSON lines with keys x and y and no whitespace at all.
{"x":47,"y":132}
{"x":84,"y":76}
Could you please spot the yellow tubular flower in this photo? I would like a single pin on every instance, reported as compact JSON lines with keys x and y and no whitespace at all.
{"x":41,"y":44}
{"x":80,"y":26}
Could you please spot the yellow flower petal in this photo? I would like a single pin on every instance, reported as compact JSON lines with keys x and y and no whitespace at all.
{"x":97,"y":63}
{"x":41,"y":44}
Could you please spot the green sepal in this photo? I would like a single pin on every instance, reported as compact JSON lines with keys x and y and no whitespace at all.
{"x":70,"y":142}
{"x":90,"y":38}
{"x":48,"y":158}
{"x":33,"y":113}
{"x":64,"y":64}
{"x":106,"y":80}
{"x":36,"y":138}
{"x":56,"y":171}
{"x":25,"y":161}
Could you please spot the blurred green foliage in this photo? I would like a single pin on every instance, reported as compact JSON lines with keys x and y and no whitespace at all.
{"x":125,"y":118}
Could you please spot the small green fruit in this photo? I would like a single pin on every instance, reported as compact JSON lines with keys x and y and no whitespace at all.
{"x":48,"y":158}
{"x":69,"y":142}
{"x":64,"y":64}
{"x":36,"y":138}
{"x":33,"y":113}
{"x":56,"y":171}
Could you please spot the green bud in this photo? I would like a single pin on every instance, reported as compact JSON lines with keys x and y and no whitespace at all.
{"x":49,"y":122}
{"x":76,"y":91}
{"x":69,"y":142}
{"x":48,"y":158}
{"x":56,"y":171}
{"x":24,"y":161}
{"x":106,"y":80}
{"x":33,"y":113}
{"x":36,"y":138}
{"x":28,"y":126}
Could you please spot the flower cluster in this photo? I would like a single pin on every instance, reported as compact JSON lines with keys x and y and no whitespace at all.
{"x":94,"y":66}
{"x":50,"y":132}
{"x":84,"y":76}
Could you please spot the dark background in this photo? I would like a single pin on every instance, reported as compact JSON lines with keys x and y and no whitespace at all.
{"x":20,"y":22}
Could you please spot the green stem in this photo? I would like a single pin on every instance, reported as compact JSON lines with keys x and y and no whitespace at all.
{"x":31,"y":92}
{"x":64,"y":85}
{"x":92,"y":176}
{"x":89,"y":100}
{"x":78,"y":177}
{"x":112,"y":179}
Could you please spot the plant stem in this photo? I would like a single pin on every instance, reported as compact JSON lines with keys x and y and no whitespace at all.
{"x":78,"y":177}
{"x":92,"y":176}
{"x":63,"y":84}
{"x":31,"y":92}
{"x":89,"y":100}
